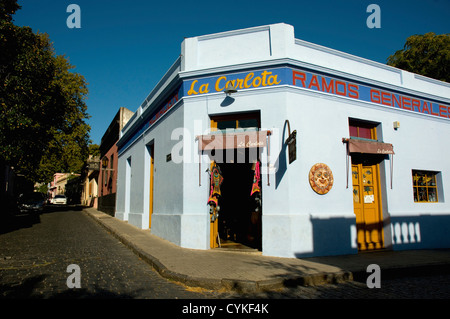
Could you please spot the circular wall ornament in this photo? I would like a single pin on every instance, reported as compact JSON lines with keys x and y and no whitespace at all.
{"x":321,"y":178}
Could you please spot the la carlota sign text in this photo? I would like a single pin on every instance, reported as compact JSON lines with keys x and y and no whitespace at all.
{"x":318,"y":82}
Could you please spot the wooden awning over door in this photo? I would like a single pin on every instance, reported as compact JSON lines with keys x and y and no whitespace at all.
{"x":234,"y":140}
{"x":368,"y":147}
{"x":220,"y":141}
{"x":355,"y":145}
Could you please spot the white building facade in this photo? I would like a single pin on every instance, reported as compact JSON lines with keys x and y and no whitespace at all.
{"x":367,"y":169}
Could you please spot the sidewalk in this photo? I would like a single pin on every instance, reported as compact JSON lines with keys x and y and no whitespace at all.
{"x":248,"y":272}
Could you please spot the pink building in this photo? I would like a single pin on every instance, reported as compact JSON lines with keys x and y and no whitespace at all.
{"x":56,"y":187}
{"x":108,"y":162}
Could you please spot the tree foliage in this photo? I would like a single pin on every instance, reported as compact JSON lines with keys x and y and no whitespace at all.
{"x":68,"y":148}
{"x":427,"y":54}
{"x":7,"y":9}
{"x":42,"y":108}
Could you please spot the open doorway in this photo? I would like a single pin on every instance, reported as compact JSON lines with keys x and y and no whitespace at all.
{"x":239,"y":220}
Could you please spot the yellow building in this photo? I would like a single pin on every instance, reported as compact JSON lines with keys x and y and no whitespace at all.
{"x":89,"y":194}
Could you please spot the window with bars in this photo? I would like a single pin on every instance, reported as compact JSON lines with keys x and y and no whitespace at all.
{"x":425,"y":186}
{"x":362,"y":129}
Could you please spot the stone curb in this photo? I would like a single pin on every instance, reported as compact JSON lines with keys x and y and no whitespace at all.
{"x":238,"y":285}
{"x":155,"y":263}
{"x":250,"y":286}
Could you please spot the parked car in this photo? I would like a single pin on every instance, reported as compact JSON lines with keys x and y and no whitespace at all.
{"x":59,"y":200}
{"x":31,"y":202}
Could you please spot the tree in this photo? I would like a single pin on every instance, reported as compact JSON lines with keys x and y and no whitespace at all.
{"x":42,"y":108}
{"x":427,"y":54}
{"x":94,"y":150}
{"x":68,"y":148}
{"x":7,"y":9}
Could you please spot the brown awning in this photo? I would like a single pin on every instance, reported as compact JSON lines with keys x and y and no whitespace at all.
{"x":232,"y":140}
{"x":245,"y":139}
{"x":369,"y":147}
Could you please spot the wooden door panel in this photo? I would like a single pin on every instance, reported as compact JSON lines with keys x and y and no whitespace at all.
{"x":366,"y":204}
{"x":152,"y":177}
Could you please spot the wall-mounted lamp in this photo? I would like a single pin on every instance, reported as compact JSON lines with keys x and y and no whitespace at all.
{"x":396,"y":125}
{"x":105,"y":162}
{"x":291,"y":142}
{"x":229,"y":89}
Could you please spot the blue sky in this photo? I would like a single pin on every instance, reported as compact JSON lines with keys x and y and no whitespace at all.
{"x":123,"y":48}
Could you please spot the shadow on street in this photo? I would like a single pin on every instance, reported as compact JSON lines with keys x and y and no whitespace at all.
{"x":12,"y":221}
{"x":29,"y":289}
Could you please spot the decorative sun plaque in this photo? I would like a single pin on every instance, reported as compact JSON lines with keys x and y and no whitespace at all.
{"x":321,"y":178}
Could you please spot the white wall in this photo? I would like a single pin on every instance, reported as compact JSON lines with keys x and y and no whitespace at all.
{"x":168,"y":180}
{"x":296,"y":221}
{"x":237,"y":47}
{"x":325,"y":224}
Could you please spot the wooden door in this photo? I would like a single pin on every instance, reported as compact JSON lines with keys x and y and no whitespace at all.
{"x":152,"y":173}
{"x":367,"y":206}
{"x":214,"y":222}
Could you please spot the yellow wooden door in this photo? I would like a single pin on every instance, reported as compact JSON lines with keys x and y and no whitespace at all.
{"x":214,"y":222}
{"x":367,"y":206}
{"x":152,"y":173}
{"x":214,"y":230}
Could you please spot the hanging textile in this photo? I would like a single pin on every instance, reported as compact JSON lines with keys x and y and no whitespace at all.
{"x":256,"y":188}
{"x":216,"y":181}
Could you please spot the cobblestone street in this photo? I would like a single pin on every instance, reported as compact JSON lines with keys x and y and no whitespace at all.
{"x":35,"y":252}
